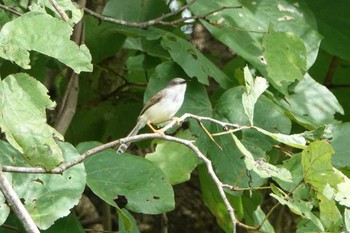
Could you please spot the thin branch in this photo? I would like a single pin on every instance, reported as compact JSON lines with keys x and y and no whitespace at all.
{"x":209,"y":135}
{"x":138,"y":24}
{"x":59,"y":10}
{"x":159,"y":20}
{"x":331,"y":71}
{"x":10,"y":9}
{"x":16,"y":205}
{"x":69,"y":101}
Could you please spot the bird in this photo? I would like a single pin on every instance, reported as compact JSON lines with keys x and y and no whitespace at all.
{"x":159,"y":109}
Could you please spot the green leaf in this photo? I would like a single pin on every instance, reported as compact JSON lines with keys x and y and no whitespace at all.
{"x":347,"y":219}
{"x":254,"y":88}
{"x":340,"y":144}
{"x":45,"y":34}
{"x":294,"y":140}
{"x":293,"y":165}
{"x":47,"y":197}
{"x":131,"y":227}
{"x":285,"y":55}
{"x":211,"y":197}
{"x":242,"y":30}
{"x":193,"y":62}
{"x":253,"y":214}
{"x":74,"y":13}
{"x":23,"y":101}
{"x":329,"y":214}
{"x":4,"y":208}
{"x":67,"y":224}
{"x":317,"y":166}
{"x":334,"y":24}
{"x":342,"y":189}
{"x":175,"y":160}
{"x":135,"y":10}
{"x":259,"y":166}
{"x":311,"y":103}
{"x":228,"y":162}
{"x":110,"y":176}
{"x":102,"y":39}
{"x":297,"y":206}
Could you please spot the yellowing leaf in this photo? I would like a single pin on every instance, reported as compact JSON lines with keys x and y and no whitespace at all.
{"x":23,"y":101}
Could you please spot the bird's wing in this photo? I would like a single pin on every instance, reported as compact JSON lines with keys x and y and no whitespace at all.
{"x":155,"y":99}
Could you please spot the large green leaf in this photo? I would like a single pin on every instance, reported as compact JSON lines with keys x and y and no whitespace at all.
{"x":45,"y":34}
{"x":228,"y":162}
{"x":23,"y":120}
{"x":67,"y":224}
{"x":312,"y":104}
{"x":47,"y":197}
{"x":72,"y":11}
{"x":242,"y":30}
{"x":334,"y":24}
{"x":317,"y":166}
{"x":329,"y":214}
{"x":102,"y":39}
{"x":135,"y":10}
{"x":285,"y":55}
{"x":193,"y":62}
{"x":211,"y":197}
{"x":176,"y":161}
{"x":144,"y":186}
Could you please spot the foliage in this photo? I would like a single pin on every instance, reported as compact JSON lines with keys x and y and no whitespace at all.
{"x":283,"y":87}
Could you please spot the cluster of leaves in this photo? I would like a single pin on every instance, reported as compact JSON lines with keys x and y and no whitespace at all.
{"x":289,"y":142}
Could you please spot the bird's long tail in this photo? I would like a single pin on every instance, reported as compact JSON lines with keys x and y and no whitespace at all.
{"x":123,"y":147}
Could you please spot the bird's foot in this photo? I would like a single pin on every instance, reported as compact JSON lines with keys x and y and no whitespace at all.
{"x":177,"y":119}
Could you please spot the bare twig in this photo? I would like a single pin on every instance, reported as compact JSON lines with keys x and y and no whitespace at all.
{"x":331,"y":71}
{"x":165,"y":223}
{"x":68,"y":104}
{"x":59,"y":10}
{"x":69,"y":101}
{"x":159,"y":20}
{"x":16,"y":205}
{"x":138,"y":24}
{"x":10,"y":9}
{"x":209,"y":135}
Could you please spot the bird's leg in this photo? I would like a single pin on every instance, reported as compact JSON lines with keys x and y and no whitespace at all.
{"x":155,"y":130}
{"x":177,"y":119}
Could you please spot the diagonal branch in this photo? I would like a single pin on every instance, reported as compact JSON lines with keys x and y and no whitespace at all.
{"x":59,"y":10}
{"x":16,"y":205}
{"x":70,"y":99}
{"x":10,"y":9}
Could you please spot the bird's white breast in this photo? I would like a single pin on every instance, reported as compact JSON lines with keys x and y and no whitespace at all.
{"x":167,"y":107}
